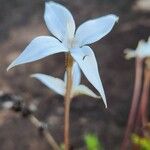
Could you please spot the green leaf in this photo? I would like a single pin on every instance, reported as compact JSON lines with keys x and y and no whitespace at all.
{"x":92,"y":142}
{"x":142,"y":142}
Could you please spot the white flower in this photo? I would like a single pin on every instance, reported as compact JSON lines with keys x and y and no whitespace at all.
{"x":59,"y":86}
{"x":61,"y":24}
{"x":142,"y":50}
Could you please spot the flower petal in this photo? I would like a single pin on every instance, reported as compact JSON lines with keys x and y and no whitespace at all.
{"x":83,"y":90}
{"x":76,"y":75}
{"x":55,"y":84}
{"x":59,"y":20}
{"x":93,"y":30}
{"x":129,"y":53}
{"x":143,"y":49}
{"x":39,"y":48}
{"x":86,"y":59}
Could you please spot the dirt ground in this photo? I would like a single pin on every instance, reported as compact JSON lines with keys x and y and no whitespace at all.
{"x":20,"y":22}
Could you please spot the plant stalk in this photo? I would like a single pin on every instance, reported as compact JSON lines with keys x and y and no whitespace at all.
{"x":134,"y":104}
{"x":69,"y":63}
{"x":144,"y":98}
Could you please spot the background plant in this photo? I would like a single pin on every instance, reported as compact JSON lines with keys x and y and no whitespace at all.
{"x":92,"y":142}
{"x":138,"y":117}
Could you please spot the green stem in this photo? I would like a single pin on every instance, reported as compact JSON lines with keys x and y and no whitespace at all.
{"x":69,"y":63}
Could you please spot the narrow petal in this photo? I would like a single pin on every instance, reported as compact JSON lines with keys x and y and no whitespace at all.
{"x":143,"y":49}
{"x":130,"y":53}
{"x":59,"y":20}
{"x":86,"y":59}
{"x":76,"y":75}
{"x":93,"y":30}
{"x":83,"y":90}
{"x":55,"y":84}
{"x":39,"y":48}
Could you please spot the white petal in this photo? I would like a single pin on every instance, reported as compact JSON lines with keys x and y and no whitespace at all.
{"x":130,"y":53}
{"x":86,"y":59}
{"x":83,"y":90}
{"x":93,"y":30}
{"x":76,"y":75}
{"x":143,"y":49}
{"x":59,"y":20}
{"x":39,"y":48}
{"x":65,"y":77}
{"x":55,"y":84}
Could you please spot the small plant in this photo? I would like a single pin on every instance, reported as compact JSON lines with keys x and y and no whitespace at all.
{"x":138,"y":112}
{"x":73,"y":43}
{"x":142,"y":142}
{"x":92,"y":142}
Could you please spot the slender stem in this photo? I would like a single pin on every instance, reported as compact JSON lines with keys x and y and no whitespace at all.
{"x":46,"y":133}
{"x":69,"y":62}
{"x":135,"y":103}
{"x":144,"y":98}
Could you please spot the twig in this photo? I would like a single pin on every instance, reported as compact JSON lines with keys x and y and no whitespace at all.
{"x":43,"y":127}
{"x":26,"y":112}
{"x":135,"y":103}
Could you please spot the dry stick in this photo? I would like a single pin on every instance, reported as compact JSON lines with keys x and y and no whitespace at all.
{"x":69,"y":63}
{"x":135,"y":102}
{"x":46,"y":133}
{"x":18,"y":106}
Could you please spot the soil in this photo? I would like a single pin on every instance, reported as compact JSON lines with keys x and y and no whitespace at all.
{"x":20,"y":22}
